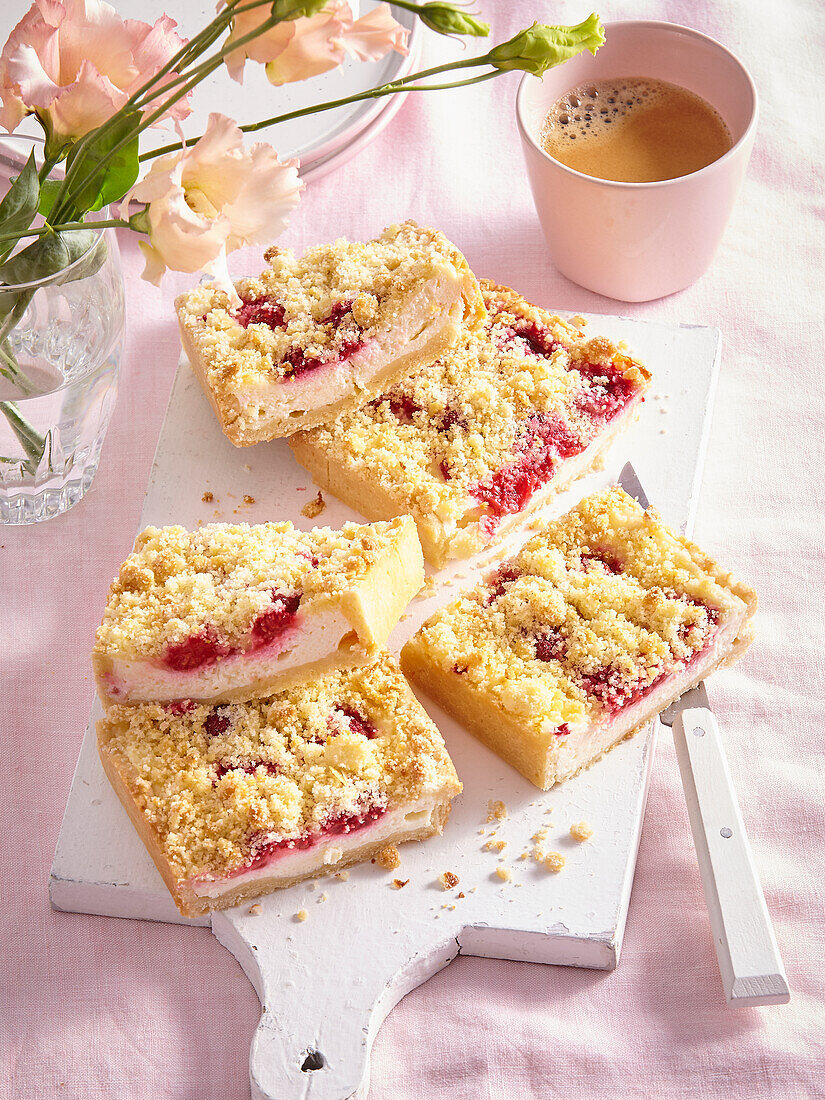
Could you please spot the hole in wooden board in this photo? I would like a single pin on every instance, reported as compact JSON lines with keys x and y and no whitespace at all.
{"x":698,"y":732}
{"x":314,"y":1060}
{"x":726,"y":833}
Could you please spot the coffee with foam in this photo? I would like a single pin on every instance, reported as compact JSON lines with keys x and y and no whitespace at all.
{"x":634,"y":130}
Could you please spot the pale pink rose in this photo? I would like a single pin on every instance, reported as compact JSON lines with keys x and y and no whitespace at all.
{"x":375,"y":34}
{"x":74,"y":63}
{"x":301,"y":48}
{"x":211,"y":199}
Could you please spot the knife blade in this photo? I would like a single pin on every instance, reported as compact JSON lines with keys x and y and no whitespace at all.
{"x":749,"y":961}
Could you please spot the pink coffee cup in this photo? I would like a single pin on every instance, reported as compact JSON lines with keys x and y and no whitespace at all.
{"x":638,"y":241}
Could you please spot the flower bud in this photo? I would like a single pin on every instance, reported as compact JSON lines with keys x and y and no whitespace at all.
{"x":540,"y":47}
{"x":296,"y":9}
{"x":448,"y":19}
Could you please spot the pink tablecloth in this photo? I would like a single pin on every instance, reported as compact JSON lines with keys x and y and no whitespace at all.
{"x":103,"y":1008}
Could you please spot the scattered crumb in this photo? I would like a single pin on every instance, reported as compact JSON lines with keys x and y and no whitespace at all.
{"x":342,"y":875}
{"x":208,"y":497}
{"x":540,"y":835}
{"x":481,"y":832}
{"x":448,"y":880}
{"x":554,"y":861}
{"x":427,"y":589}
{"x":323,"y":897}
{"x":581,"y":831}
{"x":404,"y":617}
{"x":388,"y":858}
{"x":302,"y":914}
{"x":247,"y":499}
{"x":461,"y":895}
{"x":247,"y":467}
{"x":254,"y":910}
{"x":524,"y":855}
{"x":664,"y":410}
{"x":314,"y":507}
{"x":496,"y":845}
{"x":450,"y":907}
{"x":497,"y":811}
{"x":504,"y":873}
{"x":663,"y":431}
{"x":400,"y":883}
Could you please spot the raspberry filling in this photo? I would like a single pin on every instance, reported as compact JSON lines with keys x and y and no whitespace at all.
{"x":607,"y":392}
{"x":503,"y":576}
{"x":550,"y":646}
{"x":300,"y":363}
{"x":358,"y":723}
{"x":546,"y":438}
{"x":264,"y":311}
{"x":601,"y":559}
{"x":277,"y":619}
{"x":204,"y":649}
{"x":249,"y":767}
{"x":195,"y":652}
{"x":538,"y":338}
{"x":180,"y":707}
{"x":216,"y":723}
{"x":264,"y":850}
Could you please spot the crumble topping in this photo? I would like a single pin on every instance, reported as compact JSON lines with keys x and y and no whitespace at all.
{"x":475,"y":434}
{"x":199,"y":594}
{"x":554,"y":861}
{"x":496,"y":810}
{"x":448,"y":880}
{"x":504,"y":873}
{"x":300,"y":313}
{"x":588,"y":616}
{"x":301,"y":915}
{"x":224,"y":786}
{"x":581,"y":831}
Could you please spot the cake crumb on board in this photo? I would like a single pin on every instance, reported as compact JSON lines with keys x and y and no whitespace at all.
{"x":581,"y":831}
{"x":496,"y":810}
{"x":388,"y":858}
{"x":301,"y":915}
{"x":504,"y":873}
{"x":554,"y":861}
{"x":448,"y":880}
{"x":314,"y":507}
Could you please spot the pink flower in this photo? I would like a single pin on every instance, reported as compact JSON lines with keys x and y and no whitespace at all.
{"x":74,"y":63}
{"x":211,"y":199}
{"x":301,"y":48}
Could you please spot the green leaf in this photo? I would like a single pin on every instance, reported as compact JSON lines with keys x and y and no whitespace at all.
{"x":19,"y":205}
{"x":49,"y":255}
{"x":48,"y":193}
{"x":100,"y":181}
{"x":296,"y":9}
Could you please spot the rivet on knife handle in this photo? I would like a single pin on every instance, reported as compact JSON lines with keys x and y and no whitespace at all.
{"x":749,"y":961}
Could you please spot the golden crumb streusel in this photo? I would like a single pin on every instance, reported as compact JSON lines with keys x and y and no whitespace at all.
{"x":554,"y":861}
{"x":581,"y":831}
{"x":524,"y":390}
{"x":219,"y":785}
{"x":313,"y":508}
{"x":586,"y":617}
{"x":222,"y":577}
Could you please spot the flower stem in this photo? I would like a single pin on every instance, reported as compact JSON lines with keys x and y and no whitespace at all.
{"x":400,"y":85}
{"x":64,"y":227}
{"x":32,"y":442}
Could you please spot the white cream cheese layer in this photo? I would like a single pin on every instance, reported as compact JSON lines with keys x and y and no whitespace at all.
{"x":311,"y":638}
{"x":437,"y":302}
{"x":328,"y":851}
{"x":587,"y":741}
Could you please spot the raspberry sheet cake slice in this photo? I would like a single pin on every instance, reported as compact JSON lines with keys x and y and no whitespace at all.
{"x":231,"y":611}
{"x":593,"y":628}
{"x":237,"y":800}
{"x":469,"y":446}
{"x":312,"y":336}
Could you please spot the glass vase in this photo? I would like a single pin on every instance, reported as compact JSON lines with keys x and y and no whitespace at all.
{"x":60,"y":347}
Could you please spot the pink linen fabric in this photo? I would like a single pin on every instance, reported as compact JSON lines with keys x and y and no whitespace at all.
{"x":101,"y":1008}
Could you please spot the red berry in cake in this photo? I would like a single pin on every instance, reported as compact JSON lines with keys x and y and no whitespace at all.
{"x":277,"y":619}
{"x":264,"y":311}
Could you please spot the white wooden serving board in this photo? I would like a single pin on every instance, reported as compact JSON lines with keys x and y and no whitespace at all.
{"x":327,"y":983}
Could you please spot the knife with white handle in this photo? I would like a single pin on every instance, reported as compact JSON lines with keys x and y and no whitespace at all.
{"x":749,"y":961}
